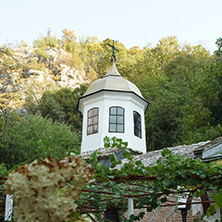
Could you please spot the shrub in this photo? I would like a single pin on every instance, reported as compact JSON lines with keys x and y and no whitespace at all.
{"x":34,"y":137}
{"x":48,"y":191}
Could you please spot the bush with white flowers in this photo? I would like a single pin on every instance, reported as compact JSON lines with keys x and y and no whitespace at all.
{"x":48,"y":191}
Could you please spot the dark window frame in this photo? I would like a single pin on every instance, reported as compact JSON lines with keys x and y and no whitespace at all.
{"x":116,"y":119}
{"x":137,"y":124}
{"x":93,"y":121}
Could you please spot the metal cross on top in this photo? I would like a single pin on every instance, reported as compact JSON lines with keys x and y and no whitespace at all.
{"x":113,"y":47}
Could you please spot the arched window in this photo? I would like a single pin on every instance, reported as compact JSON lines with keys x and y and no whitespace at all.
{"x":92,"y":121}
{"x":116,"y":119}
{"x":137,"y":124}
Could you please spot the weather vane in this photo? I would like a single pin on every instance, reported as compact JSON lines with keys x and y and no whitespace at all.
{"x":114,"y":48}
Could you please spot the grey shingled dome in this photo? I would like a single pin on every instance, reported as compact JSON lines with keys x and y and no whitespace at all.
{"x":113,"y":81}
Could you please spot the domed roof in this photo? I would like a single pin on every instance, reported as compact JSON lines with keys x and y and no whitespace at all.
{"x":113,"y":81}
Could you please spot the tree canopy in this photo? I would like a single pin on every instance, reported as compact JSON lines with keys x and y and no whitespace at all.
{"x":31,"y":137}
{"x":182,"y":82}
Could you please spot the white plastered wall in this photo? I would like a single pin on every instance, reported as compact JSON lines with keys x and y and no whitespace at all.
{"x":104,"y":100}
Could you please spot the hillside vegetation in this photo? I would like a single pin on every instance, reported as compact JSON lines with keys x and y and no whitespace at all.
{"x":182,"y":82}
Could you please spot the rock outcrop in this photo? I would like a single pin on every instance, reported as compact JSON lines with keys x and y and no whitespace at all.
{"x":53,"y":70}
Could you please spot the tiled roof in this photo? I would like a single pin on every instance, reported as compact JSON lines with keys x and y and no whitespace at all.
{"x":211,"y":150}
{"x":105,"y":152}
{"x":210,"y":144}
{"x":150,"y":158}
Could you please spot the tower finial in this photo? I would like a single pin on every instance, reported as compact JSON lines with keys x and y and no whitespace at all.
{"x":113,"y":58}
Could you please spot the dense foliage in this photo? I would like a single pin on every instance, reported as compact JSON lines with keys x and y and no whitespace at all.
{"x":32,"y":137}
{"x":149,"y":186}
{"x":62,"y":106}
{"x":183,"y":84}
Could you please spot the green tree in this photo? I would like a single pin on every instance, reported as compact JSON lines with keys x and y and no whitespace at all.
{"x":7,"y":117}
{"x":46,"y":41}
{"x":34,"y":137}
{"x":41,"y":44}
{"x":91,"y":53}
{"x":102,"y":53}
{"x":169,"y":77}
{"x":69,"y":40}
{"x":69,"y":43}
{"x":218,"y":52}
{"x":62,"y":105}
{"x":167,"y":49}
{"x":215,"y":78}
{"x":202,"y":110}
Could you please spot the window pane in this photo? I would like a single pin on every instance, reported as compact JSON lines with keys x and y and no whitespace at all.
{"x":95,"y":120}
{"x":95,"y":128}
{"x":112,"y":119}
{"x":112,"y":127}
{"x":120,"y":111}
{"x":90,"y":113}
{"x":135,"y":126}
{"x":95,"y":112}
{"x":120,"y":128}
{"x":90,"y":121}
{"x":113,"y":110}
{"x":119,"y":119}
{"x":90,"y":129}
{"x":137,"y":132}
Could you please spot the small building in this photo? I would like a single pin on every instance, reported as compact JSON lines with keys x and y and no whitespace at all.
{"x":113,"y":106}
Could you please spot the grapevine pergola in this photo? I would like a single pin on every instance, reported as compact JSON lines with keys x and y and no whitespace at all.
{"x":160,"y":185}
{"x":150,"y":187}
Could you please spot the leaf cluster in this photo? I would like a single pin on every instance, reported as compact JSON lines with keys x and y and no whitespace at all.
{"x":62,"y":106}
{"x":149,"y":186}
{"x":182,"y":82}
{"x":33,"y":137}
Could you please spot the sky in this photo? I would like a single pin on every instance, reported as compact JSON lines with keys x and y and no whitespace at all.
{"x":131,"y":22}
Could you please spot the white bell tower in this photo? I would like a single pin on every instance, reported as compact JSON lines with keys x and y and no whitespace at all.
{"x":113,"y":106}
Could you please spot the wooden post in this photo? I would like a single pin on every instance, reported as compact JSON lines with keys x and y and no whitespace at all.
{"x":8,"y":207}
{"x":184,"y":215}
{"x":130,"y":207}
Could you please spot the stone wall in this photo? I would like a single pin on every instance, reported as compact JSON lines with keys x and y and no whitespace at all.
{"x":167,"y":214}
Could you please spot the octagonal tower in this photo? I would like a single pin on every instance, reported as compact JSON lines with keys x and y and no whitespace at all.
{"x":113,"y":106}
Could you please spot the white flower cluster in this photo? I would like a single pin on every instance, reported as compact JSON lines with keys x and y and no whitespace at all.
{"x":47,"y":191}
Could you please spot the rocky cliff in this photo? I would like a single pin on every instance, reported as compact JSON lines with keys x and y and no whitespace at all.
{"x":48,"y":70}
